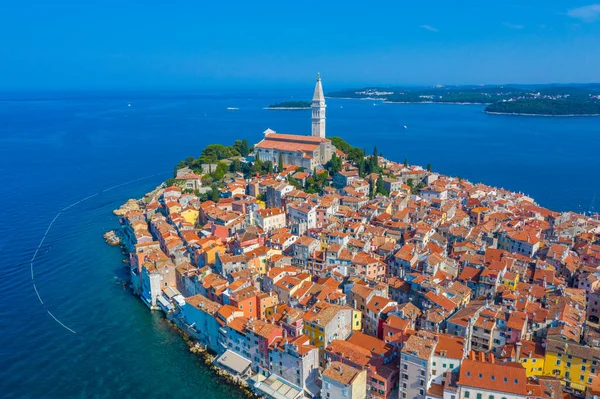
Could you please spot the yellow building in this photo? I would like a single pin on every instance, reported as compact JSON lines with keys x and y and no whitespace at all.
{"x":190,"y":215}
{"x":510,"y":280}
{"x":571,"y":362}
{"x":532,"y":358}
{"x":356,"y":320}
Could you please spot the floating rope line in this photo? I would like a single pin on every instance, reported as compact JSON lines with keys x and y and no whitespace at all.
{"x":48,"y":230}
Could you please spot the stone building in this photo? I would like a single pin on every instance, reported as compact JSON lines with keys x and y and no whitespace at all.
{"x":304,"y":151}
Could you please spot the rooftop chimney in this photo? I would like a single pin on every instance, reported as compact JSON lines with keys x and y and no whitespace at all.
{"x":481,"y":357}
{"x":518,"y":351}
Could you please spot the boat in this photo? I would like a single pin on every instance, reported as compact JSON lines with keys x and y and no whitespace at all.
{"x":405,"y":127}
{"x":129,"y":104}
{"x":231,"y":108}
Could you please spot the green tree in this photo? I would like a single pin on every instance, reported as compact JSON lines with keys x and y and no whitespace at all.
{"x":406,"y":162}
{"x":379,"y":186}
{"x":220,"y":171}
{"x":235,"y":166}
{"x":245,"y":148}
{"x":429,"y":167}
{"x":214,"y":194}
{"x":334,"y":165}
{"x":375,"y":152}
{"x":371,"y":188}
{"x":280,"y":162}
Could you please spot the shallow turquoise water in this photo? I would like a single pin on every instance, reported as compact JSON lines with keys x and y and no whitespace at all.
{"x":56,"y":149}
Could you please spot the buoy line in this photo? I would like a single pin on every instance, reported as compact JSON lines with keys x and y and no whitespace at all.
{"x":48,"y":230}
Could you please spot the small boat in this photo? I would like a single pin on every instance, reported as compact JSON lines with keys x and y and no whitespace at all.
{"x":231,"y":108}
{"x":405,"y":127}
{"x":129,"y":104}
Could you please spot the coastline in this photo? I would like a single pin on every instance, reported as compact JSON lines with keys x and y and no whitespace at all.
{"x":195,"y":345}
{"x":287,"y":108}
{"x":544,"y":115}
{"x":385,"y":100}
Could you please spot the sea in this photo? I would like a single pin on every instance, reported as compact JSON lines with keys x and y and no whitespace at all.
{"x":69,"y":325}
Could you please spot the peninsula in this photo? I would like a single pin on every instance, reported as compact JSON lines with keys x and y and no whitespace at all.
{"x":302,"y":267}
{"x":545,"y":100}
{"x":291,"y":105}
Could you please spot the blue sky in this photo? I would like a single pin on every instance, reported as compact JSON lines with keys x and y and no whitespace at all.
{"x":194,"y":44}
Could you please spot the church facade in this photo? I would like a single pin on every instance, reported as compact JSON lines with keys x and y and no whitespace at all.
{"x":303,"y":151}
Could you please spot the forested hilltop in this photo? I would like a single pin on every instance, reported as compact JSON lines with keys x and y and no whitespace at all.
{"x":551,"y":100}
{"x":546,"y":107}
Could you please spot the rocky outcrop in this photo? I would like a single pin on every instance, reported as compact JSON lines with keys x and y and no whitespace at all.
{"x":112,"y":238}
{"x":130,"y":205}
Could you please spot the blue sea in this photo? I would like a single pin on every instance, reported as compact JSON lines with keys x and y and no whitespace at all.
{"x":57,"y":149}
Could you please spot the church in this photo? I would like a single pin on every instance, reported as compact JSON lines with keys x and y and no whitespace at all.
{"x":303,"y":151}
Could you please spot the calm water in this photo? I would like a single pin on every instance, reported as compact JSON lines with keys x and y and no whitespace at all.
{"x":58,"y":149}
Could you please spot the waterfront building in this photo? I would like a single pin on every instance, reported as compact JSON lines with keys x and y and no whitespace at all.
{"x":343,"y":381}
{"x":296,"y":361}
{"x":200,"y":317}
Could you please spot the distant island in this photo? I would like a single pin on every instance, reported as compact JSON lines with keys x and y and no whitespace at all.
{"x":543,"y":107}
{"x":544,"y":100}
{"x":291,"y":105}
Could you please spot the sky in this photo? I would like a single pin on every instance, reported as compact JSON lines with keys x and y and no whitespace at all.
{"x":130,"y":44}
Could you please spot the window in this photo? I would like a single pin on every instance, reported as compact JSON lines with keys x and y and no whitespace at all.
{"x":467,"y":394}
{"x":478,"y":396}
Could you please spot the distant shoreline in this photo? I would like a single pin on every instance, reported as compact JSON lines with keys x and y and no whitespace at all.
{"x":407,"y":102}
{"x":546,"y":115}
{"x":287,"y":108}
{"x":435,"y":102}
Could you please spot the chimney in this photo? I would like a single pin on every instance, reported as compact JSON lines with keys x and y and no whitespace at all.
{"x":491,"y":358}
{"x":481,"y":357}
{"x":518,"y":346}
{"x":472,"y":355}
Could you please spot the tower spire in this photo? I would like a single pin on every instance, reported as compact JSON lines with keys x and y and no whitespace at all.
{"x":318,"y":110}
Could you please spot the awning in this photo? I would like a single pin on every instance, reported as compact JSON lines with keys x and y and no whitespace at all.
{"x":234,"y":362}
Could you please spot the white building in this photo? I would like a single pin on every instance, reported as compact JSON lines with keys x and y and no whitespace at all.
{"x":270,"y":218}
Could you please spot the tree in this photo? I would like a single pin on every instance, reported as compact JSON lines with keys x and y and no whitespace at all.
{"x":220,"y":171}
{"x":371,"y":188}
{"x":379,"y":186}
{"x":236,"y":166}
{"x":406,"y":162}
{"x":375,"y":152}
{"x":334,"y":165}
{"x":429,"y":167}
{"x":214,"y":195}
{"x":280,"y":162}
{"x":245,"y":148}
{"x":410,"y":183}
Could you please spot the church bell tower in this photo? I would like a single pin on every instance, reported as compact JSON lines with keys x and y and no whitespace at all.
{"x":318,"y":110}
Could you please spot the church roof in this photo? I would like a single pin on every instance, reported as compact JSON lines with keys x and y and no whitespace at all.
{"x":291,"y":142}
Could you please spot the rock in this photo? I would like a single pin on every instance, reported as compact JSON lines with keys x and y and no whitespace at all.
{"x":130,"y":205}
{"x":112,"y":238}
